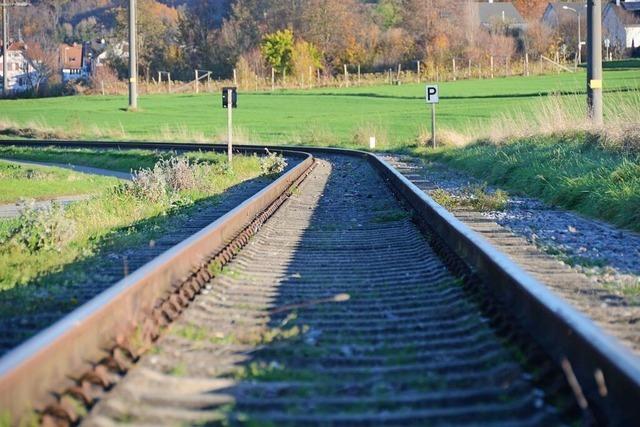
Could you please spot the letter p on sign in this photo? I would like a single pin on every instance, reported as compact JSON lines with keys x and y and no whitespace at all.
{"x":433,"y":96}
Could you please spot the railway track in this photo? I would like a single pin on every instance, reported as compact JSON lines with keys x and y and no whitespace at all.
{"x":356,"y":300}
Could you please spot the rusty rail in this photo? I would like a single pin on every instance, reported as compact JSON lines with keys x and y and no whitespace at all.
{"x":69,"y":357}
{"x":606,"y":374}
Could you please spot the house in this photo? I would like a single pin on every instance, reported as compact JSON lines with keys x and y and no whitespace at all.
{"x":74,"y":63}
{"x":621,"y":24}
{"x":502,"y":15}
{"x":22,"y":71}
{"x":560,"y":12}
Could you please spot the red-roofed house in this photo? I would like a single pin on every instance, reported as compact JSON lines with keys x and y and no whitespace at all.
{"x":74,"y":65}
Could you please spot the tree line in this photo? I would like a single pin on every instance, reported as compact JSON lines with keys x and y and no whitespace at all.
{"x":290,"y":36}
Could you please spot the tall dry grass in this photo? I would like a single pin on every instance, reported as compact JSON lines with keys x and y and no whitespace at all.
{"x":553,"y":115}
{"x":567,"y":114}
{"x":40,"y":129}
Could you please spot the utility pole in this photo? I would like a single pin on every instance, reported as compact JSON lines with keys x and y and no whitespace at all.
{"x":594,"y":61}
{"x":5,"y":44}
{"x":133,"y":60}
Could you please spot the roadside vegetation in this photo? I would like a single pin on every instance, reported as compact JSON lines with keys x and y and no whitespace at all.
{"x":575,"y":171}
{"x":43,"y":241}
{"x":25,"y":182}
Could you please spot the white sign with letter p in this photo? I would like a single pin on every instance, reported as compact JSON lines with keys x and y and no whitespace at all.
{"x":433,"y":95}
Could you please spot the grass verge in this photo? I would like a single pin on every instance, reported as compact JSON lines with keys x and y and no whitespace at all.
{"x":43,"y":242}
{"x":573,"y":171}
{"x":37,"y":182}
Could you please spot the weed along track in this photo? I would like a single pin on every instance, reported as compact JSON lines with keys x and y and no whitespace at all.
{"x":338,"y":295}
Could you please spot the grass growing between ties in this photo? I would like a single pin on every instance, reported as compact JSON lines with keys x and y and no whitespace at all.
{"x":36,"y":182}
{"x":42,"y":242}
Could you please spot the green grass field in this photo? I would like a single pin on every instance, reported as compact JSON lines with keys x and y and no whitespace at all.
{"x":37,"y":182}
{"x":331,"y":116}
{"x":397,"y":115}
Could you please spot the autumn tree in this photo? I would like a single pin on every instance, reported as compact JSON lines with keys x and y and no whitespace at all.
{"x":43,"y":54}
{"x":156,"y":32}
{"x":277,"y":50}
{"x":304,"y":57}
{"x":531,"y":9}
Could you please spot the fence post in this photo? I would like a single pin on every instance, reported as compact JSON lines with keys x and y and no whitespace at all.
{"x":170,"y":83}
{"x":491,"y":65}
{"x":359,"y":75}
{"x":454,"y":69}
{"x":346,"y":76}
{"x":526,"y":63}
{"x":197,"y":83}
{"x":469,"y":71}
{"x":273,"y":79}
{"x":235,"y":77}
{"x":419,"y":75}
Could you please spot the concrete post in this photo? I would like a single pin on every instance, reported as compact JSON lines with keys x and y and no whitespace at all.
{"x":594,"y":63}
{"x":133,"y":63}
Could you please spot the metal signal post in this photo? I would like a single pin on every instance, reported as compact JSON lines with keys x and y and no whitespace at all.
{"x":594,"y":62}
{"x":230,"y":101}
{"x":5,"y":43}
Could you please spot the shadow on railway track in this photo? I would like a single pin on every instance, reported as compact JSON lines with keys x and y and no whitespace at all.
{"x":364,"y":321}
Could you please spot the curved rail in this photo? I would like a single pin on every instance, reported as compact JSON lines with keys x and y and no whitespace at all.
{"x":598,"y":367}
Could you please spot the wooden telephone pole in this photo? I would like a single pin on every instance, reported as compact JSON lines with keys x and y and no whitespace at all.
{"x":5,"y":43}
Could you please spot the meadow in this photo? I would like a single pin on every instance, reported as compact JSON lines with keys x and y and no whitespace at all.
{"x":397,"y":115}
{"x":515,"y":119}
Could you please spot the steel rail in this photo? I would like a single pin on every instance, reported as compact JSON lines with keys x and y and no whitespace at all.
{"x":31,"y":374}
{"x":607,"y":373}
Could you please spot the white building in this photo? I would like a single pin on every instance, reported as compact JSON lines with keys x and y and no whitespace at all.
{"x":21,"y":71}
{"x":621,"y":23}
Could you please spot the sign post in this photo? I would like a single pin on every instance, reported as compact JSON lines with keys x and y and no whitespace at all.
{"x":433,"y":97}
{"x":229,"y":101}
